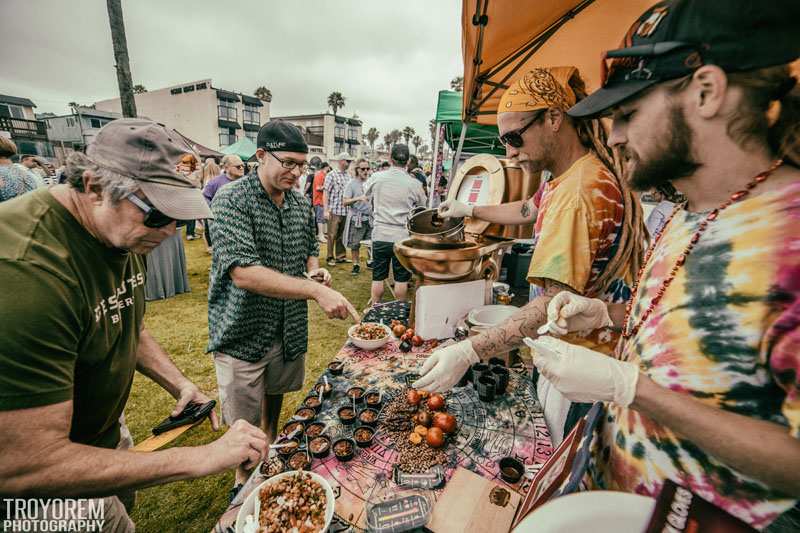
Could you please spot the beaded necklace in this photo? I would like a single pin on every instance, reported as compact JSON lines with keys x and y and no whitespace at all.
{"x":629,"y":331}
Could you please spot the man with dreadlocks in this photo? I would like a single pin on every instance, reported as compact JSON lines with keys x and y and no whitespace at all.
{"x":705,"y":386}
{"x":588,"y":227}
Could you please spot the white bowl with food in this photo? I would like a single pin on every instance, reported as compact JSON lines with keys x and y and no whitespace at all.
{"x":369,"y":335}
{"x":285,"y":490}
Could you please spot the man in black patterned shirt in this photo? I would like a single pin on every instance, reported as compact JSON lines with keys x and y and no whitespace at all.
{"x":265,"y":240}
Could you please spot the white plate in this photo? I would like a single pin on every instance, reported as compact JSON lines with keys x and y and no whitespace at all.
{"x":488,"y":316}
{"x":369,"y":345}
{"x":249,"y":505}
{"x":596,"y":511}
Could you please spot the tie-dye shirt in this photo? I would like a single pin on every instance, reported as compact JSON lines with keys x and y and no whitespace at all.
{"x":577,"y":231}
{"x":726,"y":332}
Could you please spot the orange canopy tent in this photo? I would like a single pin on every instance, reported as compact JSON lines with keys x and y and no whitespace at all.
{"x":502,"y":39}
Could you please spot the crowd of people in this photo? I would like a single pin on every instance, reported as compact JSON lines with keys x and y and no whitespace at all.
{"x":689,"y":333}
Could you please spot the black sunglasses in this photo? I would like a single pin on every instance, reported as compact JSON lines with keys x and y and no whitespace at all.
{"x":363,"y":168}
{"x":514,"y":138}
{"x":153,"y":218}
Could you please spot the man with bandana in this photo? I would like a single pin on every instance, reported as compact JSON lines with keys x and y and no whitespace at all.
{"x":587,"y":226}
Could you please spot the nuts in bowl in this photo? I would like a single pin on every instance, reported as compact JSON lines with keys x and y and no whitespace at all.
{"x":369,"y":335}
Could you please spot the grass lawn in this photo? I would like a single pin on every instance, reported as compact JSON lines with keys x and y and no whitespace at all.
{"x":181,"y":326}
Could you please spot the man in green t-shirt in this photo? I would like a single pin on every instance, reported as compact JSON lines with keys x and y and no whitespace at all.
{"x":72,"y":330}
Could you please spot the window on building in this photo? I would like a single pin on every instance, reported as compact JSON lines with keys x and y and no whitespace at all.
{"x":95,"y":122}
{"x":250,"y":115}
{"x":71,"y":122}
{"x":252,"y":135}
{"x":200,"y":86}
{"x":188,"y":88}
{"x":227,"y":111}
{"x":227,"y":136}
{"x":339,"y":131}
{"x":175,"y":91}
{"x":11,"y":111}
{"x":352,"y":134}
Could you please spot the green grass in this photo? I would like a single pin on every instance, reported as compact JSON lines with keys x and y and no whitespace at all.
{"x":180,"y":324}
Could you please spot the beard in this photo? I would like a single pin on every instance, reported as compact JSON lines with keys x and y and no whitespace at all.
{"x":672,"y":161}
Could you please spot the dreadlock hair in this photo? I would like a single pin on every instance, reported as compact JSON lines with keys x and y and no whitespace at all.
{"x":632,"y":242}
{"x":768,"y":112}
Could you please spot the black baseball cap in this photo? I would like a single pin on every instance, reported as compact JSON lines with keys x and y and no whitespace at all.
{"x":675,"y":37}
{"x":400,"y":153}
{"x":281,"y":136}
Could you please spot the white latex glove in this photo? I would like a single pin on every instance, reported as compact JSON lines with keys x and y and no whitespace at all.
{"x":445,"y":367}
{"x":454,"y":209}
{"x":568,"y":312}
{"x":583,"y":375}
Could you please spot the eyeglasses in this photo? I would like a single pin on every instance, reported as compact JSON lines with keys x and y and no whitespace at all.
{"x":514,"y":138}
{"x":153,"y":218}
{"x":363,"y":168}
{"x":289,"y":164}
{"x":240,"y":167}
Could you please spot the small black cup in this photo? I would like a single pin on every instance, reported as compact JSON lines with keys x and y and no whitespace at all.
{"x":487,"y":387}
{"x":497,"y":361}
{"x":511,"y":469}
{"x":465,"y":379}
{"x":477,"y":370}
{"x":500,"y":373}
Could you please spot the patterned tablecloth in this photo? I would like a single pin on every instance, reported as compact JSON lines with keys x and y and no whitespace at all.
{"x":512,"y":425}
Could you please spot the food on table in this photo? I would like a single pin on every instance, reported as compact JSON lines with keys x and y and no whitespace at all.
{"x":347,"y":415}
{"x":423,"y":418}
{"x":435,"y":438}
{"x":368,"y":416}
{"x":373,"y":399}
{"x":416,"y":340}
{"x":295,"y":503}
{"x":289,"y":428}
{"x":421,"y":430}
{"x":370,"y":332}
{"x":355,"y":392}
{"x":273,"y":467}
{"x":398,"y":330}
{"x":305,"y":414}
{"x":344,"y":449}
{"x":397,"y":420}
{"x":511,"y":469}
{"x":413,"y":397}
{"x":326,"y":389}
{"x":445,"y":421}
{"x":336,"y":367}
{"x":405,"y":346}
{"x":291,"y":446}
{"x":313,"y":402}
{"x":363,"y":436}
{"x":435,"y":402}
{"x":415,"y":438}
{"x":320,"y":446}
{"x":315,"y":429}
{"x":299,"y":461}
{"x":424,"y":394}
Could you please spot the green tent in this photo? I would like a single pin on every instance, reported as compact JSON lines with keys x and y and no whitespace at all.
{"x":479,"y":139}
{"x":244,"y":148}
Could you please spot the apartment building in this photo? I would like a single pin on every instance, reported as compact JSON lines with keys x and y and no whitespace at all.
{"x":210,"y":116}
{"x":327,"y":136}
{"x":18,"y":122}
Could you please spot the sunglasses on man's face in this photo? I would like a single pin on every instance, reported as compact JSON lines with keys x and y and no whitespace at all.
{"x":363,"y":168}
{"x":514,"y":138}
{"x":153,"y":218}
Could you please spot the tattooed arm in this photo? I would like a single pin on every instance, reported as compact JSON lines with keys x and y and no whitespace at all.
{"x":523,"y":323}
{"x":520,"y":212}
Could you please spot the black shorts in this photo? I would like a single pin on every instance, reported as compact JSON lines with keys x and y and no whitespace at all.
{"x":382,"y":253}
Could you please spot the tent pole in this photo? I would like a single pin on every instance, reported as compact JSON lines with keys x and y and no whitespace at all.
{"x":457,"y":155}
{"x":432,"y":187}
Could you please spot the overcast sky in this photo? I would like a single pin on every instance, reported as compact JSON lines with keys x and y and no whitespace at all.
{"x":388,"y":58}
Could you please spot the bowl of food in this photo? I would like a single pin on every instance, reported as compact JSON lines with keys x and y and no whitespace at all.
{"x":299,"y":461}
{"x":368,"y":417}
{"x":370,"y":335}
{"x":363,"y":436}
{"x":320,"y":446}
{"x":344,"y":449}
{"x":315,"y":429}
{"x":262,"y":508}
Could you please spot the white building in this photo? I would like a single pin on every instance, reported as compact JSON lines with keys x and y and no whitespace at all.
{"x":76,"y":130}
{"x":213,"y":117}
{"x":326,"y":137}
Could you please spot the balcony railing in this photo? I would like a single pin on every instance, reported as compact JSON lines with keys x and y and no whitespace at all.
{"x":20,"y":127}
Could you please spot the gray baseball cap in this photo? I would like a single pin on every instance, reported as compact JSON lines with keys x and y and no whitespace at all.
{"x":148,"y":152}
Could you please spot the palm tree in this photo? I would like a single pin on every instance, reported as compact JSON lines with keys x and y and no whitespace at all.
{"x":416,"y":141}
{"x":387,"y":141}
{"x":432,"y":128}
{"x":139,"y":89}
{"x":457,"y":83}
{"x":335,"y":102}
{"x":123,"y":66}
{"x":372,"y":136}
{"x":408,"y":132}
{"x":262,"y":93}
{"x":396,"y":135}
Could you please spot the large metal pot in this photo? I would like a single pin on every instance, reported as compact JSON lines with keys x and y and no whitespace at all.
{"x":425,"y":225}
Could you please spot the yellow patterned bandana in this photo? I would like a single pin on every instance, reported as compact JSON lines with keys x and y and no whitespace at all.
{"x":540,"y":88}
